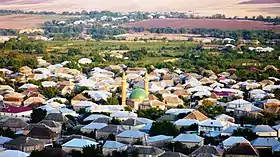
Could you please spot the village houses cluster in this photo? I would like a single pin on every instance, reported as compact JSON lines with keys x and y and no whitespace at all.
{"x":177,"y":94}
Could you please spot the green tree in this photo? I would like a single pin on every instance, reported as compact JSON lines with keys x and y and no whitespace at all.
{"x":49,"y":92}
{"x":164,"y":128}
{"x":38,"y":115}
{"x":246,"y":133}
{"x":151,"y":113}
{"x":112,"y":101}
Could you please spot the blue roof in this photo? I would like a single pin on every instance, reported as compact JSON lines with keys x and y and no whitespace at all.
{"x":234,"y":139}
{"x":263,"y":128}
{"x":113,"y":145}
{"x":147,"y":127}
{"x":188,"y":138}
{"x":159,"y":138}
{"x":132,"y":134}
{"x":265,"y":142}
{"x":79,"y":143}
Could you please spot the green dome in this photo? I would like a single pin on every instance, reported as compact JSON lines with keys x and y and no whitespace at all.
{"x":139,"y":94}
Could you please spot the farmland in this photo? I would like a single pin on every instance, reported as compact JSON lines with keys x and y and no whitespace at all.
{"x":26,"y":21}
{"x":204,"y":23}
{"x":231,"y":8}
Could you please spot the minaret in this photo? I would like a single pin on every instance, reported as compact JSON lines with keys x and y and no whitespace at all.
{"x":146,"y":84}
{"x":124,"y":86}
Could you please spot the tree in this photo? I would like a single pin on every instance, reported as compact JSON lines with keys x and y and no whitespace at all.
{"x":49,"y":92}
{"x":151,"y":113}
{"x":246,"y":133}
{"x":115,"y":121}
{"x":164,"y":128}
{"x":211,"y":110}
{"x":38,"y":115}
{"x":92,"y":151}
{"x":111,"y":137}
{"x":112,"y":101}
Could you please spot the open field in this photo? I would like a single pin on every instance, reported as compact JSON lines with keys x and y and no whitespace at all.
{"x":202,"y":7}
{"x":26,"y":21}
{"x":204,"y":23}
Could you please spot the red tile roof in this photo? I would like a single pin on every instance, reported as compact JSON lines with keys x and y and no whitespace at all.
{"x":15,"y":109}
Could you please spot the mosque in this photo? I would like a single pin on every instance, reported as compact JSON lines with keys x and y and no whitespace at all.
{"x":137,"y":96}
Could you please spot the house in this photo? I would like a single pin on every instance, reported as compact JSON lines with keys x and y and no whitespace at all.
{"x":131,"y":136}
{"x":55,"y":152}
{"x":77,"y":144}
{"x":248,"y":110}
{"x":104,"y":132}
{"x":145,"y":151}
{"x":110,"y":146}
{"x":196,"y":115}
{"x":57,"y":117}
{"x":25,"y":70}
{"x":172,"y":100}
{"x":93,"y":117}
{"x":262,"y":143}
{"x":16,"y":111}
{"x":13,"y":99}
{"x":185,"y":122}
{"x":229,"y":142}
{"x":173,"y":154}
{"x":159,"y":140}
{"x":14,"y":124}
{"x":265,"y":131}
{"x":241,"y":150}
{"x":277,"y":128}
{"x":123,"y":115}
{"x":212,"y":127}
{"x":92,"y":127}
{"x":189,"y":140}
{"x":205,"y":150}
{"x":78,"y":98}
{"x":132,"y":124}
{"x":25,"y":144}
{"x":225,"y":118}
{"x":54,"y":126}
{"x":43,"y":133}
{"x":13,"y":153}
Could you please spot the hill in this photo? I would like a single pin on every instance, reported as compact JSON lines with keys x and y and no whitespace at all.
{"x":203,"y":7}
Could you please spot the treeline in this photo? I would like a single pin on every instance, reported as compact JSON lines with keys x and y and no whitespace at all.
{"x":24,"y":45}
{"x":8,"y":32}
{"x":69,"y":29}
{"x":218,"y":33}
{"x":9,"y":12}
{"x":17,"y":60}
{"x":99,"y":32}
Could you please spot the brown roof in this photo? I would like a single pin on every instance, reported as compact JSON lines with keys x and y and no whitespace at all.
{"x":24,"y":141}
{"x":57,"y":117}
{"x":273,"y":107}
{"x":196,"y":115}
{"x":152,"y":97}
{"x":242,"y":149}
{"x":13,"y":123}
{"x":41,"y":133}
{"x":80,"y":97}
{"x":206,"y":149}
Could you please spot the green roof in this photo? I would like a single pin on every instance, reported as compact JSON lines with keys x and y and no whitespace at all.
{"x":139,"y":93}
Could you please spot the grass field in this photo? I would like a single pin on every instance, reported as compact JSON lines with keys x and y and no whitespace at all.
{"x":89,"y":46}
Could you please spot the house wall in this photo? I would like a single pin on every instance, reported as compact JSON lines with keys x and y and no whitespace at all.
{"x":128,"y":140}
{"x":103,"y":135}
{"x":267,"y":134}
{"x":109,"y":151}
{"x":228,"y":155}
{"x":20,"y":114}
{"x":192,"y":144}
{"x":69,"y":149}
{"x":161,"y":143}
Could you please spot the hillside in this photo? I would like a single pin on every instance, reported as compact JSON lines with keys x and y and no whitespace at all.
{"x":228,"y":7}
